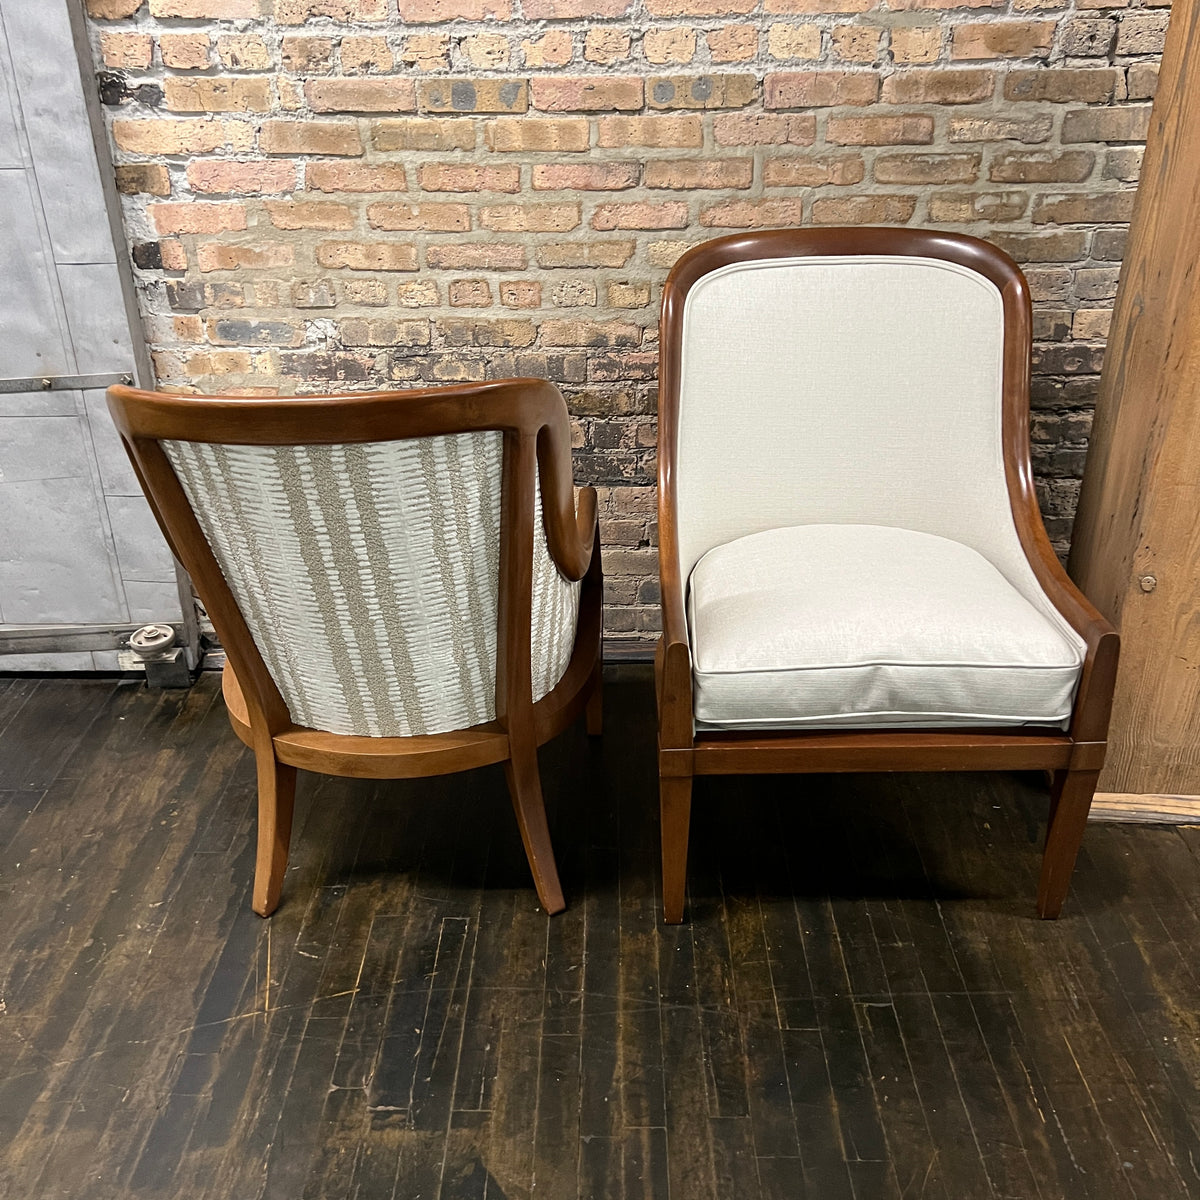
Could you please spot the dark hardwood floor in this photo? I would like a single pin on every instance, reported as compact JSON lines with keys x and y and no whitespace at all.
{"x":863,"y":1004}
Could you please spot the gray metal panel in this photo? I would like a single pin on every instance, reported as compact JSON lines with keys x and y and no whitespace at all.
{"x":10,"y":141}
{"x":116,"y":473}
{"x":141,"y":551}
{"x":37,"y":404}
{"x":56,"y":124}
{"x":81,"y":661}
{"x":32,"y":343}
{"x":50,"y":448}
{"x":152,"y":601}
{"x":99,"y":331}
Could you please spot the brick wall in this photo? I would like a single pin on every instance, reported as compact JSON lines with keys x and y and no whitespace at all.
{"x":354,"y":193}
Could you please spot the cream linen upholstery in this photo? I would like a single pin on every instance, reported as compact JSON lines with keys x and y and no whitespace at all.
{"x":872,"y":388}
{"x":368,"y":576}
{"x":869,"y":626}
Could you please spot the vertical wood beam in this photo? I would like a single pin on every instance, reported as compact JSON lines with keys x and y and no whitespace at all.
{"x":1136,"y":548}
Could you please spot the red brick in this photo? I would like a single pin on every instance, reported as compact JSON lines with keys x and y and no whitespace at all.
{"x":518,"y":293}
{"x":599,"y":334}
{"x":310,"y":137}
{"x":595,"y":93}
{"x":1003,"y":39}
{"x":732,"y":43}
{"x":908,"y":129}
{"x":786,"y":7}
{"x":220,"y":256}
{"x":688,"y":173}
{"x":368,"y":256}
{"x":934,"y":86}
{"x":752,"y":214}
{"x":474,"y":95}
{"x":585,"y":254}
{"x":470,"y":293}
{"x":1083,"y":210}
{"x":306,"y":55}
{"x":477,"y":256}
{"x":927,"y":168}
{"x":586,"y":177}
{"x":530,"y":218}
{"x":700,"y":91}
{"x":127,"y":51}
{"x":700,"y":8}
{"x":903,"y":5}
{"x":361,"y":95}
{"x":1083,"y":85}
{"x":958,"y":207}
{"x":229,"y":94}
{"x":185,"y":51}
{"x":811,"y":171}
{"x":468,"y":177}
{"x":561,"y":134}
{"x":673,"y":45}
{"x":365,"y":54}
{"x":650,"y":132}
{"x":356,"y":177}
{"x":439,"y":218}
{"x":243,"y":52}
{"x":252,"y":178}
{"x":813,"y":89}
{"x":863,"y":210}
{"x":638,"y":215}
{"x":197,"y":217}
{"x":764,"y":129}
{"x":423,"y":133}
{"x":1042,"y":166}
{"x":316,"y":214}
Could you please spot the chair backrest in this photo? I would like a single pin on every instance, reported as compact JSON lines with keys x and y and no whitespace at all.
{"x":867,"y":376}
{"x":366,"y":571}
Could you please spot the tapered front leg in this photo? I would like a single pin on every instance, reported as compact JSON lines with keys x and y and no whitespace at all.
{"x":675,"y":806}
{"x":276,"y":801}
{"x":1070,"y":800}
{"x":525,"y":788}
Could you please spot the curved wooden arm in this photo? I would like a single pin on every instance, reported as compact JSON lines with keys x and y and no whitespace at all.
{"x":570,"y":530}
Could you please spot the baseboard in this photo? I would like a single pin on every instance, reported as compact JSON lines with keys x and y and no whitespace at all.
{"x":1149,"y":809}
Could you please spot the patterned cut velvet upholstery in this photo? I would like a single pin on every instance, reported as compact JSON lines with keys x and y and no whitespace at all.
{"x":368,"y":576}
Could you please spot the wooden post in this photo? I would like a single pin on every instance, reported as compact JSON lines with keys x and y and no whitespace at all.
{"x":1136,"y":549}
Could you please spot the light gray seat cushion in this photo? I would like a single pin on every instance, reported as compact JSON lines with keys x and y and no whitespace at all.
{"x":868,"y":626}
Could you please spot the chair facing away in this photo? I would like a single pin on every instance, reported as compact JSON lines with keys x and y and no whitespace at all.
{"x":401,"y":581}
{"x":855,"y":574}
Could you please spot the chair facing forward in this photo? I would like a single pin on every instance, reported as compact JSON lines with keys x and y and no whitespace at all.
{"x":401,"y":581}
{"x":855,"y":574}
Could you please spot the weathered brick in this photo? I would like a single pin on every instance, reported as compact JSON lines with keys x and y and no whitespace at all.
{"x":416,"y":293}
{"x":585,"y":177}
{"x":112,"y":10}
{"x":1142,"y":80}
{"x":732,"y":43}
{"x":541,"y":10}
{"x":573,"y":293}
{"x":626,"y":294}
{"x":654,"y":133}
{"x":251,"y":178}
{"x":752,"y":214}
{"x":439,"y":218}
{"x":470,"y":293}
{"x":1088,"y":85}
{"x":857,"y":43}
{"x":1128,"y":123}
{"x":927,"y":168}
{"x":370,"y":331}
{"x":1000,"y":129}
{"x":422,"y":133}
{"x":1089,"y":37}
{"x":794,"y":41}
{"x":1059,"y":247}
{"x":953,"y":207}
{"x":585,"y":254}
{"x":206,"y":10}
{"x":1090,"y":323}
{"x":355,"y":177}
{"x":916,"y":43}
{"x":127,"y":51}
{"x":185,"y":51}
{"x":672,"y":45}
{"x":243,"y":52}
{"x":313,"y":293}
{"x":764,"y":129}
{"x":700,"y":8}
{"x":197,"y":217}
{"x":361,"y":95}
{"x":1042,"y":166}
{"x":296,"y":12}
{"x":818,"y":6}
{"x":594,"y":93}
{"x":935,"y":86}
{"x":519,"y":293}
{"x":600,"y":334}
{"x":1108,"y":245}
{"x":554,"y":49}
{"x":221,"y":256}
{"x":1142,"y":33}
{"x":474,"y":95}
{"x":309,"y":214}
{"x":189,"y":94}
{"x":468,"y":177}
{"x":426,"y":51}
{"x":1083,"y":210}
{"x":530,"y":218}
{"x":1124,"y":164}
{"x":306,"y":55}
{"x":368,"y":256}
{"x":511,"y":134}
{"x":908,"y":129}
{"x":486,"y":51}
{"x":813,"y":171}
{"x":639,"y":215}
{"x":149,"y":179}
{"x":363,"y":55}
{"x":700,"y":91}
{"x":236,"y":331}
{"x":688,"y":173}
{"x":334,"y":138}
{"x":863,"y":210}
{"x":174,"y":257}
{"x":811,"y":89}
{"x":476,"y":256}
{"x":1003,"y":39}
{"x":606,"y":45}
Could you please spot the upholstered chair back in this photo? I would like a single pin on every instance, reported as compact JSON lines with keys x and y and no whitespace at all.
{"x":860,"y":389}
{"x":368,"y":575}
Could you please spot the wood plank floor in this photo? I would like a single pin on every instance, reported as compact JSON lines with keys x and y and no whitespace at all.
{"x":863,"y":1004}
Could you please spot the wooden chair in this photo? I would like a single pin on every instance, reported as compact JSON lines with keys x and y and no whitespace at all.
{"x":401,"y":581}
{"x":855,"y":575}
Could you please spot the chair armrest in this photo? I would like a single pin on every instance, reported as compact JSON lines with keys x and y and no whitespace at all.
{"x":570,"y":528}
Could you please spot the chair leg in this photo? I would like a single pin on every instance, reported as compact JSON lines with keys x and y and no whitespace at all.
{"x":675,"y":805}
{"x":1070,"y":800}
{"x":525,"y":788}
{"x":276,"y":801}
{"x":595,"y":706}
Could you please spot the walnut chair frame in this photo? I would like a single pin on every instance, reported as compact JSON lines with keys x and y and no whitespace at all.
{"x":533,"y":419}
{"x":1074,"y":757}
